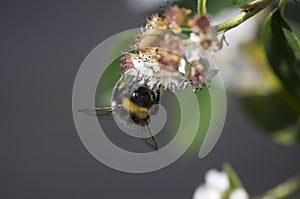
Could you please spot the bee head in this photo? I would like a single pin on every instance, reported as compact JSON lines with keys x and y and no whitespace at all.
{"x":142,"y":97}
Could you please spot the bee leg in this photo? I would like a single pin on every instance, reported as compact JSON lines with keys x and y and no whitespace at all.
{"x":156,"y":99}
{"x":157,"y":96}
{"x":150,"y":141}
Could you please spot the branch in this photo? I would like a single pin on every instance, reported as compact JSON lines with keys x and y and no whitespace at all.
{"x":248,"y":11}
{"x":283,"y":190}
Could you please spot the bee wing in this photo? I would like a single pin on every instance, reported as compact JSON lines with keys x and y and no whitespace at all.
{"x":103,"y":112}
{"x":150,"y":140}
{"x":211,"y":74}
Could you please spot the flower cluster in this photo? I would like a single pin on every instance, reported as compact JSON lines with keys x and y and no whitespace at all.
{"x":162,"y":56}
{"x":217,"y":186}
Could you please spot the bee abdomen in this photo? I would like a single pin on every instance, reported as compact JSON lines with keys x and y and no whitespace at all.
{"x":140,"y":112}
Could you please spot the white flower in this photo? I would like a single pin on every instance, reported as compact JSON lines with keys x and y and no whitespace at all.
{"x":155,"y":75}
{"x":193,"y":52}
{"x":194,"y":38}
{"x":217,"y":186}
{"x":217,"y":179}
{"x":239,"y":193}
{"x":206,"y":192}
{"x":242,"y":66}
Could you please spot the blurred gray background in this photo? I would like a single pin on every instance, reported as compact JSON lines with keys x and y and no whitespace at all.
{"x":43,"y":44}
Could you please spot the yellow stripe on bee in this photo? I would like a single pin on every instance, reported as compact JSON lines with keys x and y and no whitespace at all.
{"x":140,"y":112}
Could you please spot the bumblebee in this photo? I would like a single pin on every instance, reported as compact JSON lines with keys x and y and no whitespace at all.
{"x":130,"y":104}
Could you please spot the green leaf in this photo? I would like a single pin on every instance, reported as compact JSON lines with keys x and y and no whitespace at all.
{"x":278,"y":113}
{"x":234,"y":180}
{"x":283,"y":51}
{"x":288,"y":135}
{"x":173,"y":120}
{"x":112,"y":73}
{"x":295,"y":27}
{"x":107,"y":83}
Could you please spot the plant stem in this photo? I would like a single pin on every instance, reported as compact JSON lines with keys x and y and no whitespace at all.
{"x":202,"y":7}
{"x":281,"y":5}
{"x":248,"y":11}
{"x":282,"y":190}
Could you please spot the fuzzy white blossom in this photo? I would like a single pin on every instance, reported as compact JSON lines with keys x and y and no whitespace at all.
{"x":239,"y":193}
{"x":193,"y":52}
{"x":159,"y":51}
{"x":216,"y":183}
{"x":217,"y":186}
{"x":194,"y":38}
{"x":206,"y":192}
{"x":241,"y":69}
{"x":217,"y":179}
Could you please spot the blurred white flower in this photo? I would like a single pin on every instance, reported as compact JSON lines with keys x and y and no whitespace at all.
{"x":216,"y":183}
{"x":240,"y":72}
{"x":194,"y":38}
{"x":193,"y":52}
{"x":234,"y":65}
{"x":206,"y":192}
{"x":239,"y":193}
{"x":217,"y":186}
{"x":217,"y":180}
